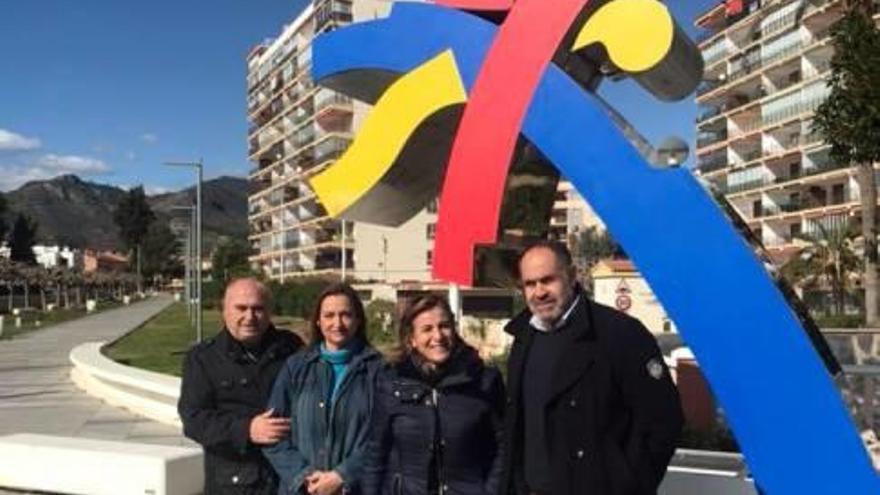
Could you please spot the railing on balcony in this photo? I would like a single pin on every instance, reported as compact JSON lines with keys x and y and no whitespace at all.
{"x":709,"y":113}
{"x":325,"y":99}
{"x":749,"y":156}
{"x":708,"y":86}
{"x":745,"y":186}
{"x":782,"y":54}
{"x":709,"y":139}
{"x":746,"y":69}
{"x":742,"y":99}
{"x":806,"y":204}
{"x":257,"y":186}
{"x":790,"y":111}
{"x":766,"y":181}
{"x":711,"y":165}
{"x":330,"y":149}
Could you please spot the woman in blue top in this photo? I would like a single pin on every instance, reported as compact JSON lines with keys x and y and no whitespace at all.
{"x":326,"y":391}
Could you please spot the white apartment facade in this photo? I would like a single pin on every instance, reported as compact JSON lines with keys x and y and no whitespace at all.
{"x":298,"y":129}
{"x":767,"y":65}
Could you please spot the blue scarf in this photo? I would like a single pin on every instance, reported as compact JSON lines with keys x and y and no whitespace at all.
{"x":338,"y":361}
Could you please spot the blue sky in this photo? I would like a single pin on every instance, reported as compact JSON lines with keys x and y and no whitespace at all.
{"x":110,"y":89}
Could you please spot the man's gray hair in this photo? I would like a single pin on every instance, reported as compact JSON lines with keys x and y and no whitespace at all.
{"x":262,"y":288}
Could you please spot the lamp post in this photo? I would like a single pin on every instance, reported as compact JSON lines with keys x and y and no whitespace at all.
{"x":198,"y":247}
{"x":190,"y":261}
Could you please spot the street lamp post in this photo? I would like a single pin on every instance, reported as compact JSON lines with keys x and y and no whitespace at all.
{"x":198,"y":247}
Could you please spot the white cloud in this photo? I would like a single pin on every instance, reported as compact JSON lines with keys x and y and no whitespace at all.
{"x":10,"y":141}
{"x":72,"y":164}
{"x":49,"y":166}
{"x":130,"y":156}
{"x":149,"y":137}
{"x":153,"y":190}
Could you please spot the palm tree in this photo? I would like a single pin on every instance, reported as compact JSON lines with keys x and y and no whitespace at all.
{"x":828,"y":260}
{"x":848,"y":120}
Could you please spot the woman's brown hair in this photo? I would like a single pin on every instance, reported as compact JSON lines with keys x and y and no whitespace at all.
{"x":405,"y":327}
{"x":357,"y":307}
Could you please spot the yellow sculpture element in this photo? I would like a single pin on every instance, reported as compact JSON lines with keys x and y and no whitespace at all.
{"x":404,"y":105}
{"x":636,"y":33}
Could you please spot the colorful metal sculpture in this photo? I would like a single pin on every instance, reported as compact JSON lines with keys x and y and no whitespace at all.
{"x":423,"y":62}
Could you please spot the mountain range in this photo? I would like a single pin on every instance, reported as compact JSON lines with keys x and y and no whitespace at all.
{"x":72,"y":212}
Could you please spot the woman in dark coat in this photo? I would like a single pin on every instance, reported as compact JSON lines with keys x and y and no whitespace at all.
{"x":437,"y":417}
{"x":327,"y":392}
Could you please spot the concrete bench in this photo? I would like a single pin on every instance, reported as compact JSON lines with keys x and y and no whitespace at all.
{"x":98,"y":467}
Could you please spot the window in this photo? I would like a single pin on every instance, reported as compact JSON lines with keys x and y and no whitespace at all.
{"x":837,"y":194}
{"x":432,"y":206}
{"x":429,"y":257}
{"x":431,"y":231}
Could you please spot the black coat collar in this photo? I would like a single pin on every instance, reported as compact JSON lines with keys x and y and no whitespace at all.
{"x":271,"y":345}
{"x":577,"y":359}
{"x":463,"y":367}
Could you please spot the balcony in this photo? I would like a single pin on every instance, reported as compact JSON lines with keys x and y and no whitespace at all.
{"x":708,"y":114}
{"x":767,"y":181}
{"x":259,"y":185}
{"x":324,"y":99}
{"x":745,"y":186}
{"x":706,"y":87}
{"x":802,"y":205}
{"x":331,"y":149}
{"x":706,"y":166}
{"x":711,"y":138}
{"x":782,"y":54}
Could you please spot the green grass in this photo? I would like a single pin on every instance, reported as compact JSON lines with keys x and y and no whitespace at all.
{"x":160,"y":343}
{"x":59,"y":315}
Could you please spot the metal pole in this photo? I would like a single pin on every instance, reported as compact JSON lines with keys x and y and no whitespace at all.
{"x":198,"y":244}
{"x":199,"y":333}
{"x":187,"y":260}
{"x":343,"y":249}
{"x":455,"y":302}
{"x":192,"y":267}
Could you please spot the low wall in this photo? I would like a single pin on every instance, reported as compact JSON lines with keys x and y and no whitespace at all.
{"x":146,"y":393}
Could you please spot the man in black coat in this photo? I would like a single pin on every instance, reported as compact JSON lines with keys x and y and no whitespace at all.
{"x":592,"y":408}
{"x":226,"y":385}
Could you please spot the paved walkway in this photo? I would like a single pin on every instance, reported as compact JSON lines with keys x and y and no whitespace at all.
{"x":37,"y":396}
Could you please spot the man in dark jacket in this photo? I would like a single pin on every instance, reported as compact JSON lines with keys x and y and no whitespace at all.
{"x":225,"y":388}
{"x":592,"y":408}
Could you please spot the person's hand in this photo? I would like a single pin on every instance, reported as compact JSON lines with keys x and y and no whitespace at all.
{"x":324,"y":483}
{"x":266,"y":430}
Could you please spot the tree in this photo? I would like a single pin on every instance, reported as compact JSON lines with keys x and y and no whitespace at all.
{"x":134,"y":216}
{"x":849,"y":119}
{"x":3,"y":225}
{"x":230,"y":260}
{"x":22,"y":240}
{"x":830,"y":259}
{"x":161,"y":252}
{"x":592,"y":245}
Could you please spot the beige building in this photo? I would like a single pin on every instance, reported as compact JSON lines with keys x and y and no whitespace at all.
{"x":571,"y":213}
{"x":767,"y":65}
{"x":298,"y":129}
{"x":616,"y":283}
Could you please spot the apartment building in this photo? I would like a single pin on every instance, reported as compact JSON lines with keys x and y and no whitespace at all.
{"x":766,"y":67}
{"x":298,"y":129}
{"x":571,"y":213}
